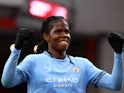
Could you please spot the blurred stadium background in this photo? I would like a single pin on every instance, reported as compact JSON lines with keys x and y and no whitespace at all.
{"x":90,"y":22}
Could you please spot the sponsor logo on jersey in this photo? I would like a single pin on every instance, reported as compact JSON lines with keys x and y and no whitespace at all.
{"x":53,"y":79}
{"x":62,"y":82}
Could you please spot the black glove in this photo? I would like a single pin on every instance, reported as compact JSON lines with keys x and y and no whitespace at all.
{"x":23,"y":35}
{"x":116,"y":41}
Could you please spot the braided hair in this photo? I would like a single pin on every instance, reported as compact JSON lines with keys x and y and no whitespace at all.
{"x":46,"y":28}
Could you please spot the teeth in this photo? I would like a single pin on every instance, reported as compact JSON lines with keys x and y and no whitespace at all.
{"x":63,"y":42}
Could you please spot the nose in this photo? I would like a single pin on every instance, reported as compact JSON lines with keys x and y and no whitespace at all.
{"x":65,"y":34}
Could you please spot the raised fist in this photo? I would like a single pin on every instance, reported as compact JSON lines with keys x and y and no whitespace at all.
{"x":23,"y":35}
{"x":116,"y":41}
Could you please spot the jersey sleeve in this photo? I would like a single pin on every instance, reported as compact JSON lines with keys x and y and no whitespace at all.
{"x":10,"y":75}
{"x":94,"y":74}
{"x":101,"y":78}
{"x":14,"y":74}
{"x":114,"y":80}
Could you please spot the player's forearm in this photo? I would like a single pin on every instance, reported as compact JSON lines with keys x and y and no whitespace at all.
{"x":10,"y":69}
{"x":114,"y":81}
{"x":117,"y":73}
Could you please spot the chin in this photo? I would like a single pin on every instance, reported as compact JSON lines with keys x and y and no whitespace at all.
{"x":63,"y":48}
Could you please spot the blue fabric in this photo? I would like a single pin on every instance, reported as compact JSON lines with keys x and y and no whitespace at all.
{"x":46,"y":74}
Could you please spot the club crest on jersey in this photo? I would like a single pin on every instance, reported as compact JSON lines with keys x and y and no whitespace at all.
{"x":75,"y":69}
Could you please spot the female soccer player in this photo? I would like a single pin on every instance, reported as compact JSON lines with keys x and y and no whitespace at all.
{"x":52,"y":70}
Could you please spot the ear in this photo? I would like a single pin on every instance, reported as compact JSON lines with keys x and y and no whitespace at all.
{"x":46,"y":37}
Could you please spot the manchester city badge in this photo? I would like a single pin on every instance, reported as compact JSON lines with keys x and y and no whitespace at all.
{"x":75,"y":69}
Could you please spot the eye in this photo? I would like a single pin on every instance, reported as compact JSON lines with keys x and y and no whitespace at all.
{"x":67,"y":31}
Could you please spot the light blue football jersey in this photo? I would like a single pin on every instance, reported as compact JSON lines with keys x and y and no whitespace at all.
{"x":46,"y":74}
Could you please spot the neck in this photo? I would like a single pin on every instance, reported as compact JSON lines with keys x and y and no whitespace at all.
{"x":57,"y":54}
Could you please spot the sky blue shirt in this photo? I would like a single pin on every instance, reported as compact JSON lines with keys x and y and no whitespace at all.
{"x":46,"y":74}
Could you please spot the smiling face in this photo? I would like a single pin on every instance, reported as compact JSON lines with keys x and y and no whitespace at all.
{"x":59,"y":36}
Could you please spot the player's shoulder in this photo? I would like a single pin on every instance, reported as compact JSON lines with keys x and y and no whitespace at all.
{"x":34,"y":56}
{"x":79,"y":59}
